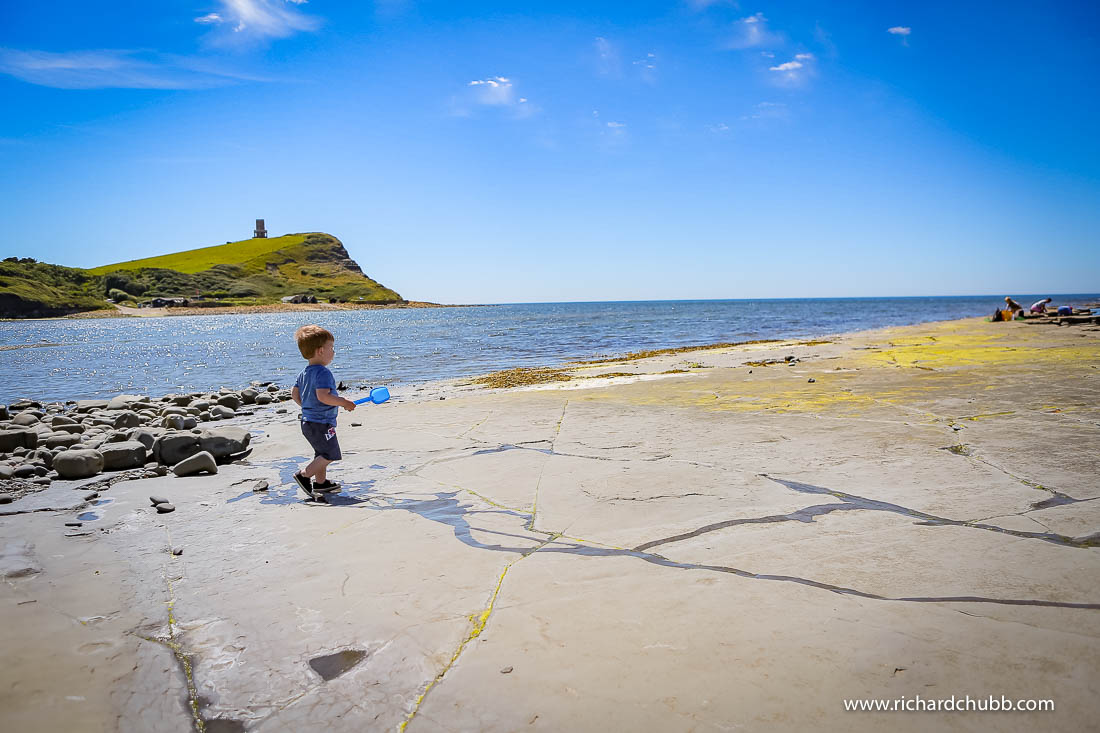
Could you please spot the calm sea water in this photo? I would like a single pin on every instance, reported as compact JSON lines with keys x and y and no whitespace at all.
{"x":75,"y":359}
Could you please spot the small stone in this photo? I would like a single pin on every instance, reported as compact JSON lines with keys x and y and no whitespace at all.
{"x":90,"y":495}
{"x":260,"y":485}
{"x":357,"y":424}
{"x":5,"y":498}
{"x":264,"y":398}
{"x":165,"y":508}
{"x":177,"y":551}
{"x":281,"y":411}
{"x":158,"y":500}
{"x":442,"y":398}
{"x":506,"y":670}
{"x":811,"y":380}
{"x":74,"y":524}
{"x":24,"y":471}
{"x":221,"y":412}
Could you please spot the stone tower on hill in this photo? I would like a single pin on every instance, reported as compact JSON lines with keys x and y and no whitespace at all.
{"x":260,"y":232}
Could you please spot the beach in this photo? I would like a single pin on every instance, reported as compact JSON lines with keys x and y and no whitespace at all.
{"x":733,"y":538}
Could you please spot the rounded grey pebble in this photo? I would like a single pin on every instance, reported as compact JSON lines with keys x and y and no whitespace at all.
{"x":157,"y":500}
{"x":74,"y":524}
{"x":177,"y":551}
{"x":506,"y":670}
{"x":165,"y":508}
{"x":5,"y":498}
{"x":811,"y":380}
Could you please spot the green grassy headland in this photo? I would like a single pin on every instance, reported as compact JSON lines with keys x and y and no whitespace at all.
{"x":249,"y":272}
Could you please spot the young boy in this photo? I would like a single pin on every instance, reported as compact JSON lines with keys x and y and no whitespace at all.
{"x":315,"y":391}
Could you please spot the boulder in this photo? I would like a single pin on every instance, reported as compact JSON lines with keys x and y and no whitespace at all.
{"x":199,"y":463}
{"x":145,"y":437}
{"x":221,"y":412}
{"x":232,"y":401}
{"x":75,"y":429}
{"x":74,"y":464}
{"x":201,"y":405}
{"x":249,"y":395}
{"x":225,"y":441}
{"x":61,"y":440}
{"x":118,"y":436}
{"x":119,"y":456}
{"x":24,"y":470}
{"x":171,"y":448}
{"x":6,"y":472}
{"x":264,"y":398}
{"x":17,"y":438}
{"x":4,"y":412}
{"x":25,"y":404}
{"x":181,"y":400}
{"x":272,"y":388}
{"x":24,"y":419}
{"x":127,"y":401}
{"x":165,"y":411}
{"x":127,"y":419}
{"x":58,"y":420}
{"x":174,"y":422}
{"x":45,"y":456}
{"x":89,"y":405}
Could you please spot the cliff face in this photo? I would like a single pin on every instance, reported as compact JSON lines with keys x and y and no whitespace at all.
{"x":249,"y":272}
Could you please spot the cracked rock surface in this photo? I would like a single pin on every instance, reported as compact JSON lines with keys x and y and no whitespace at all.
{"x":706,"y":549}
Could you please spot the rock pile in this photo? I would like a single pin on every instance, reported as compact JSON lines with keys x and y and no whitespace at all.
{"x":76,"y":440}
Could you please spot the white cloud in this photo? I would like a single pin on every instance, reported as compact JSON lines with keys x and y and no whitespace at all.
{"x":804,"y":56}
{"x":788,"y":66}
{"x":607,"y":57}
{"x":648,"y":63}
{"x":115,"y":69}
{"x":753,"y":31}
{"x":494,"y":91}
{"x":900,"y":30}
{"x":210,"y":18}
{"x":719,"y":128}
{"x":260,"y":19}
{"x":616,"y":125}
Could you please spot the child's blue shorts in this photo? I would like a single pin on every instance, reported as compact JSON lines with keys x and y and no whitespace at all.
{"x":322,"y":437}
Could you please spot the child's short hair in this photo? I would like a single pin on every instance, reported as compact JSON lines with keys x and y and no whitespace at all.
{"x":310,"y":338}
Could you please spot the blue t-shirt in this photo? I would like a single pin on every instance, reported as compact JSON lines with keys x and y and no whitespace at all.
{"x":313,"y":378}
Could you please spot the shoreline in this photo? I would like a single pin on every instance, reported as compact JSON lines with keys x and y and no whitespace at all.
{"x":710,"y":538}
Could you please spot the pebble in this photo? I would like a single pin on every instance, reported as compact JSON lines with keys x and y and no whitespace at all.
{"x":74,"y":524}
{"x":90,"y":495}
{"x":281,"y":411}
{"x":506,"y":670}
{"x":158,"y":500}
{"x":177,"y":551}
{"x":811,"y":380}
{"x":5,"y":498}
{"x":165,"y":508}
{"x":261,"y":485}
{"x":357,"y":424}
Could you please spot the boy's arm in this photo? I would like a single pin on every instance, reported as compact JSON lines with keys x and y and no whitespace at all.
{"x":326,"y":397}
{"x":296,"y":395}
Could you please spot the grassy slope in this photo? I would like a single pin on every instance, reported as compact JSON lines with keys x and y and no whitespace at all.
{"x":197,"y":260}
{"x":259,"y":269}
{"x":36,"y":289}
{"x":252,"y":271}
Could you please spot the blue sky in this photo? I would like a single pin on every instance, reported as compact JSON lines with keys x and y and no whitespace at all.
{"x":510,"y":152}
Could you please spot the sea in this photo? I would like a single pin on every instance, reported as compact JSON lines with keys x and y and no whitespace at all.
{"x":68,"y":359}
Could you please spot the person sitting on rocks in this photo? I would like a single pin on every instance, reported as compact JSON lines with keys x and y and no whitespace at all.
{"x":315,"y":391}
{"x":1040,"y":306}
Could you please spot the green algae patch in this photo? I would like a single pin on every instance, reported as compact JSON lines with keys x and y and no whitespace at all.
{"x":522,"y":377}
{"x":635,"y":355}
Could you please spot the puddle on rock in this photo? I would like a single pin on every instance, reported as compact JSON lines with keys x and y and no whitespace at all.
{"x":331,"y":666}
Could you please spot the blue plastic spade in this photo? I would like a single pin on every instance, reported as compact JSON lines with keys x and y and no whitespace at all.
{"x":378,"y":395}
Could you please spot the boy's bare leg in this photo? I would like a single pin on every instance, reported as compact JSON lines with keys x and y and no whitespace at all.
{"x":316,"y":469}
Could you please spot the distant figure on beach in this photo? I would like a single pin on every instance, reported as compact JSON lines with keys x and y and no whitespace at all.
{"x":1040,"y":306}
{"x":315,"y":391}
{"x":1013,"y":306}
{"x":1014,"y":310}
